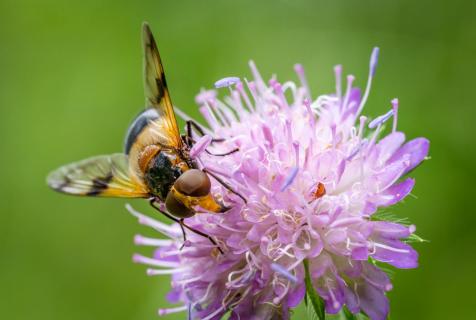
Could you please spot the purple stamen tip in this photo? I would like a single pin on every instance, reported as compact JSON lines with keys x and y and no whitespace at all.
{"x":272,"y":81}
{"x":204,"y":96}
{"x":388,"y":287}
{"x":338,"y":69}
{"x":276,"y":86}
{"x":290,"y":178}
{"x":226,"y":82}
{"x":307,"y":102}
{"x":374,"y":60}
{"x":395,"y":103}
{"x":281,"y":270}
{"x":380,"y":119}
{"x":298,"y":68}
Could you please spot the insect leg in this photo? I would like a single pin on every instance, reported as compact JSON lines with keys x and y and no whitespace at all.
{"x":196,"y":126}
{"x":223,"y":183}
{"x":183,"y":225}
{"x":204,"y":235}
{"x":223,"y":154}
{"x":183,"y":233}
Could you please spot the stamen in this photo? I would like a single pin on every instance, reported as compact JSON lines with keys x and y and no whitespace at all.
{"x":137,"y":258}
{"x":183,"y":282}
{"x":252,"y":87}
{"x":356,"y":150}
{"x":279,"y":92}
{"x":383,"y":246}
{"x":268,"y":135}
{"x":373,"y":66}
{"x":234,"y":103}
{"x":257,"y":76}
{"x":283,"y":294}
{"x":295,"y":264}
{"x":363,"y":119}
{"x":335,"y":303}
{"x":395,"y":114}
{"x":163,"y":312}
{"x":144,"y":241}
{"x":219,"y":113}
{"x":242,"y":92}
{"x":298,"y":68}
{"x":226,"y":82}
{"x":213,"y":314}
{"x":289,"y":130}
{"x":350,"y":80}
{"x":163,"y":228}
{"x":345,"y":222}
{"x":307,"y":104}
{"x":290,"y":178}
{"x":334,"y":135}
{"x":380,"y":120}
{"x":284,"y":272}
{"x":155,"y":272}
{"x":374,"y":60}
{"x":204,"y":96}
{"x":227,"y":110}
{"x":204,"y":297}
{"x":209,"y":116}
{"x":296,"y":152}
{"x":338,"y":73}
{"x":309,"y":152}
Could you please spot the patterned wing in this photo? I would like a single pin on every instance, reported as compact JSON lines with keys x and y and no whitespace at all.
{"x":156,"y":93}
{"x":101,"y":176}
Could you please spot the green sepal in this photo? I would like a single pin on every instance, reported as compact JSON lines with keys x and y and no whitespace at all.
{"x":316,"y":301}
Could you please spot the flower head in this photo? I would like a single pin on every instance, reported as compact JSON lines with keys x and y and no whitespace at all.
{"x":313,"y":172}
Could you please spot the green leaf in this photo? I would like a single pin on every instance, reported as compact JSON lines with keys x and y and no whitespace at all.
{"x":345,"y":314}
{"x":348,"y":315}
{"x":316,"y":301}
{"x":311,"y":313}
{"x":414,"y":238}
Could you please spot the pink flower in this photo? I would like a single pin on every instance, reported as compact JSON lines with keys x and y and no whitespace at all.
{"x":314,"y":173}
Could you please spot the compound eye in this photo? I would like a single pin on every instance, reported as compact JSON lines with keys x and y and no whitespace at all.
{"x":193,"y":183}
{"x":177,"y":208}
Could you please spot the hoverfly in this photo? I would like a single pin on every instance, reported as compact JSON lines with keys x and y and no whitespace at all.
{"x":156,"y":162}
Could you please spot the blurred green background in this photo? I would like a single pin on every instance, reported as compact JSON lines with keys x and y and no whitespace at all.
{"x":70,"y":82}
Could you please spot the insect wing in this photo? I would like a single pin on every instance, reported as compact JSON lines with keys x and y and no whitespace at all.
{"x":157,"y":94}
{"x":102,"y":176}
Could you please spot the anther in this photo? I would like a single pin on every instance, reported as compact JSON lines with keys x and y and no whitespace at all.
{"x":226,"y":82}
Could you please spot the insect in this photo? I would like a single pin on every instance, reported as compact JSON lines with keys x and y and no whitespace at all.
{"x":156,"y":163}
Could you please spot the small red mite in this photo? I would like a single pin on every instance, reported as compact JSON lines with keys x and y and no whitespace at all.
{"x":320,"y":191}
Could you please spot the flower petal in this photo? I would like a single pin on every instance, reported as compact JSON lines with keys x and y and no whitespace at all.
{"x":417,"y":149}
